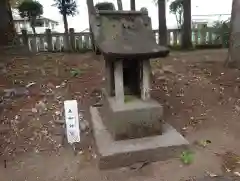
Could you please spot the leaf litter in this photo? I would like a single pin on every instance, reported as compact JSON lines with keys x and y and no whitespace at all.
{"x":32,"y":99}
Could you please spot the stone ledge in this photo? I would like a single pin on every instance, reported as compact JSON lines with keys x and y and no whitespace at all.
{"x":113,"y":154}
{"x":136,"y":104}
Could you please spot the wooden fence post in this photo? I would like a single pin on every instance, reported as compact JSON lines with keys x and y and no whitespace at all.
{"x":42,"y":46}
{"x":66,"y":45}
{"x":210,"y":36}
{"x":168,"y":38}
{"x":175,"y":37}
{"x":72,"y":39}
{"x":25,"y":38}
{"x":58,"y":44}
{"x":196,"y":37}
{"x":155,"y":36}
{"x":180,"y":37}
{"x":80,"y":43}
{"x":49,"y":40}
{"x":88,"y":41}
{"x":222,"y":39}
{"x":34,"y":46}
{"x":203,"y":36}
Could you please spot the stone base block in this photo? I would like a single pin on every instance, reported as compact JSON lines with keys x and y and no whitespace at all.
{"x":113,"y":154}
{"x":134,"y":119}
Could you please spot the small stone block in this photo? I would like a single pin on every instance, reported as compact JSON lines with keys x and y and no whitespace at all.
{"x":134,"y":119}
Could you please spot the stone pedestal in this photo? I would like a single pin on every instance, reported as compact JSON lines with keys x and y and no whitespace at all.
{"x":113,"y":154}
{"x":134,"y":119}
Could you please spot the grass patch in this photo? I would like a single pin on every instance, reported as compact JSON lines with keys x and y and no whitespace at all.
{"x":75,"y":72}
{"x":129,"y":98}
{"x":187,"y":157}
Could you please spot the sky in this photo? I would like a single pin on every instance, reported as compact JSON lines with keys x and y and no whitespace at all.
{"x":199,"y":7}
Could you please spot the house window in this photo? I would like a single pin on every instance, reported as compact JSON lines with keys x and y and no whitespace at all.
{"x":53,"y":25}
{"x":47,"y":24}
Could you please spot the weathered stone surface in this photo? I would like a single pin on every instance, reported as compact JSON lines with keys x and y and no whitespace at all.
{"x":120,"y":34}
{"x":134,"y":119}
{"x":114,"y":154}
{"x":118,"y":80}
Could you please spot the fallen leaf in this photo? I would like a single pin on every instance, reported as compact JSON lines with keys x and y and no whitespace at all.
{"x":80,"y":152}
{"x":237,"y":108}
{"x":211,"y":174}
{"x":30,"y":84}
{"x":228,"y":170}
{"x":236,"y":173}
{"x":204,"y":143}
{"x":34,"y":110}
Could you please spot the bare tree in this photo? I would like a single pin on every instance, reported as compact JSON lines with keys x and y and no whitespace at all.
{"x":176,"y":8}
{"x":162,"y":26}
{"x":233,"y":59}
{"x":119,"y":3}
{"x":7,"y":31}
{"x":187,"y":25}
{"x":132,"y":5}
{"x":66,"y":8}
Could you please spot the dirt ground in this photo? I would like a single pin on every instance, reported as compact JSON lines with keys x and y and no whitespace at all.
{"x":201,"y":99}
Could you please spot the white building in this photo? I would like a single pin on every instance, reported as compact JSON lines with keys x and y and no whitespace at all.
{"x":43,"y":23}
{"x":200,"y":23}
{"x":203,"y":21}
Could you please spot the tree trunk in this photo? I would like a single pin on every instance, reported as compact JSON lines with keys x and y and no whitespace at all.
{"x":119,"y":3}
{"x":7,"y":31}
{"x":187,"y":23}
{"x":33,"y":29}
{"x":65,"y":23}
{"x":66,"y":35}
{"x":162,"y":26}
{"x":133,"y":5}
{"x":233,"y":59}
{"x":32,"y":21}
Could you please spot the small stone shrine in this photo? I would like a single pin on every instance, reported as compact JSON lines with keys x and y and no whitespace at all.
{"x":128,"y":128}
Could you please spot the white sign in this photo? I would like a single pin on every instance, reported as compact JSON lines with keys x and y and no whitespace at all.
{"x":72,"y":121}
